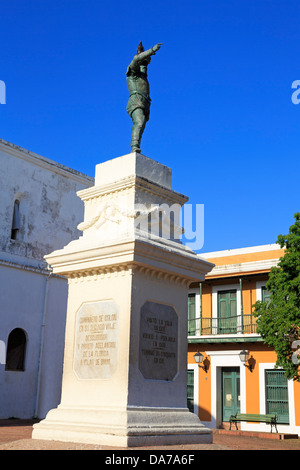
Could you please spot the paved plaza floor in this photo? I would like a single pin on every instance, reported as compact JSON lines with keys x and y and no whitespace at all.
{"x":16,"y":435}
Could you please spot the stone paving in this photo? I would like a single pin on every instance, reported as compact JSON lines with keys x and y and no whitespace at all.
{"x":16,"y":435}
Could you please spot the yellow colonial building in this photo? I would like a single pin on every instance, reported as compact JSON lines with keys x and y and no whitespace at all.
{"x":235,"y":372}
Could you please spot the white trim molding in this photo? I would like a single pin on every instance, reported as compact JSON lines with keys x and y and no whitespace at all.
{"x":259,"y":286}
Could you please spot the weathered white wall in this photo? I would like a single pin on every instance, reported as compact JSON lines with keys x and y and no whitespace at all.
{"x":22,"y":294}
{"x":31,"y":297}
{"x":53,"y":339}
{"x":49,"y":207}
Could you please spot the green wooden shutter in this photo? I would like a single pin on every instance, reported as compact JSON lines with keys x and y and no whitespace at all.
{"x":227,"y":311}
{"x":277,"y":400}
{"x":191,"y":315}
{"x":190,"y":390}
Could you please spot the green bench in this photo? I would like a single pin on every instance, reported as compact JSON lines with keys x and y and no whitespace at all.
{"x":269,"y":419}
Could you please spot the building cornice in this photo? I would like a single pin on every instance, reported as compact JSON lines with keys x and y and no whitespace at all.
{"x":243,"y":268}
{"x":46,"y":271}
{"x":46,"y":163}
{"x":240,"y":251}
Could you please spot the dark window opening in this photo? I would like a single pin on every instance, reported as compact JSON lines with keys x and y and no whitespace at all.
{"x":16,"y":348}
{"x":190,"y":390}
{"x":15,"y":226}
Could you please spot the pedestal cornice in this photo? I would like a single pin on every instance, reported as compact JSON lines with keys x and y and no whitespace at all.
{"x":163,"y":257}
{"x":130,"y":182}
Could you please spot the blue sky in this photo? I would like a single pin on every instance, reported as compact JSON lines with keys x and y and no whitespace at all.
{"x":221,"y":116}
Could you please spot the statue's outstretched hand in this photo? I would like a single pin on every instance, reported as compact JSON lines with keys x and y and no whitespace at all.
{"x":157,"y":46}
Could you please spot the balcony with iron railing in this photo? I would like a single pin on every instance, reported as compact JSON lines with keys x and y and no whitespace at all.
{"x":235,"y":325}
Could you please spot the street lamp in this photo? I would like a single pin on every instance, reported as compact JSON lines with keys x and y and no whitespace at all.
{"x":244,"y":357}
{"x":198,"y":357}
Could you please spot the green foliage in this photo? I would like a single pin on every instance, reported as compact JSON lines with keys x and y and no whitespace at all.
{"x":279,"y":319}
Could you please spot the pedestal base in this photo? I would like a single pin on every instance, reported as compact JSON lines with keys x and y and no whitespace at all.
{"x":131,"y":427}
{"x":125,"y":376}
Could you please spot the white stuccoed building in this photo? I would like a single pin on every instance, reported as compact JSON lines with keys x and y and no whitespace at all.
{"x":40,"y":212}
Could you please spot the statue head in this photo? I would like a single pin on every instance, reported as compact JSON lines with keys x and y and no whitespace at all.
{"x":147,"y":61}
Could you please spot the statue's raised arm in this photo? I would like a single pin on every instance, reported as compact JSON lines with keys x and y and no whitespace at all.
{"x":138,"y":106}
{"x":142,"y":56}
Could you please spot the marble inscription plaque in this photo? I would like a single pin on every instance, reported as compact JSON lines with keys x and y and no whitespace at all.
{"x":96,"y":340}
{"x":158,"y":346}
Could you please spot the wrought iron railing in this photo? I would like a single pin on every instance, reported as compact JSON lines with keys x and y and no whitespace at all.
{"x":243,"y":324}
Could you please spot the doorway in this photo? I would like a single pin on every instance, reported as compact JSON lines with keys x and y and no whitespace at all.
{"x":231,"y":399}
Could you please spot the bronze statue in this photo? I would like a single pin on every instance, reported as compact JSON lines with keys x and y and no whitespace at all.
{"x":138,"y":106}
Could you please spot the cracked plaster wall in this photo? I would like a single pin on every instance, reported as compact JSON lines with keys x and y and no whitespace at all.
{"x":50,"y":210}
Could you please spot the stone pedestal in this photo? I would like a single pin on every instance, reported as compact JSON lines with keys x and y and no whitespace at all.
{"x":124,"y":378}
